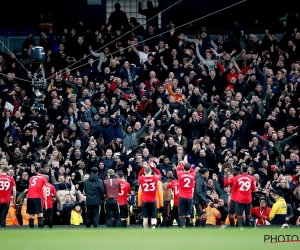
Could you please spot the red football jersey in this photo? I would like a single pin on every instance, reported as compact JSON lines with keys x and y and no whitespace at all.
{"x":245,"y":185}
{"x":36,"y":184}
{"x":257,"y":212}
{"x":50,"y":192}
{"x":123,"y":195}
{"x":6,"y":185}
{"x":149,"y":185}
{"x":174,"y":185}
{"x":232,"y":182}
{"x":186,"y":182}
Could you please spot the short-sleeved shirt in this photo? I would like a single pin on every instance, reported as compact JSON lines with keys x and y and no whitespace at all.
{"x":174,"y":185}
{"x":245,"y":185}
{"x":6,"y":185}
{"x":186,"y":184}
{"x":50,"y":192}
{"x":36,"y":184}
{"x":123,"y":195}
{"x":233,"y":188}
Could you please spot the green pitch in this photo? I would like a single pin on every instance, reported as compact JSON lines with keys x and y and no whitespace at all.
{"x":133,"y":238}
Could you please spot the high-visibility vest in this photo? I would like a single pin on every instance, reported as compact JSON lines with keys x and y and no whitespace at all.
{"x":212,"y":215}
{"x":11,"y":217}
{"x":76,"y":218}
{"x":26,"y":216}
{"x":159,"y":195}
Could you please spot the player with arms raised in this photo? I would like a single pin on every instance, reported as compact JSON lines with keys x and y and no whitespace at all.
{"x":186,"y":179}
{"x":7,"y":184}
{"x":123,"y":195}
{"x":37,"y":193}
{"x":244,"y":186}
{"x":148,"y":184}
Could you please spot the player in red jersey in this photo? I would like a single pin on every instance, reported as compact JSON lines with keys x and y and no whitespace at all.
{"x":51,"y":191}
{"x":148,"y":184}
{"x":37,"y":192}
{"x":174,"y":213}
{"x":244,"y":186}
{"x":186,"y":178}
{"x":232,"y":203}
{"x":123,"y":196}
{"x":7,"y":186}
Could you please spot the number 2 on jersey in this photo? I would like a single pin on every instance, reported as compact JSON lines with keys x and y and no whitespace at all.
{"x":146,"y":186}
{"x":244,"y":185}
{"x":187,"y":182}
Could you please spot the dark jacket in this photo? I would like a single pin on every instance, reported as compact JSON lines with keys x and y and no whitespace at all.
{"x":200,"y":192}
{"x":102,"y":173}
{"x":94,"y":190}
{"x":221,"y":193}
{"x":108,"y":162}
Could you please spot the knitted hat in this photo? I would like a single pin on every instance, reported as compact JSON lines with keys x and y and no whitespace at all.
{"x":77,"y":143}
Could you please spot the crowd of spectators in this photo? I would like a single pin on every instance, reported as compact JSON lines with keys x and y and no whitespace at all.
{"x":163,"y":98}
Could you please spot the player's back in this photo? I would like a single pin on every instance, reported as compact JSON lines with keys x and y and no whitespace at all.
{"x":36,"y":184}
{"x":175,"y":186}
{"x":245,"y":185}
{"x":125,"y":190}
{"x":186,"y":182}
{"x":6,"y":185}
{"x":50,"y":192}
{"x":112,"y":188}
{"x":149,"y":187}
